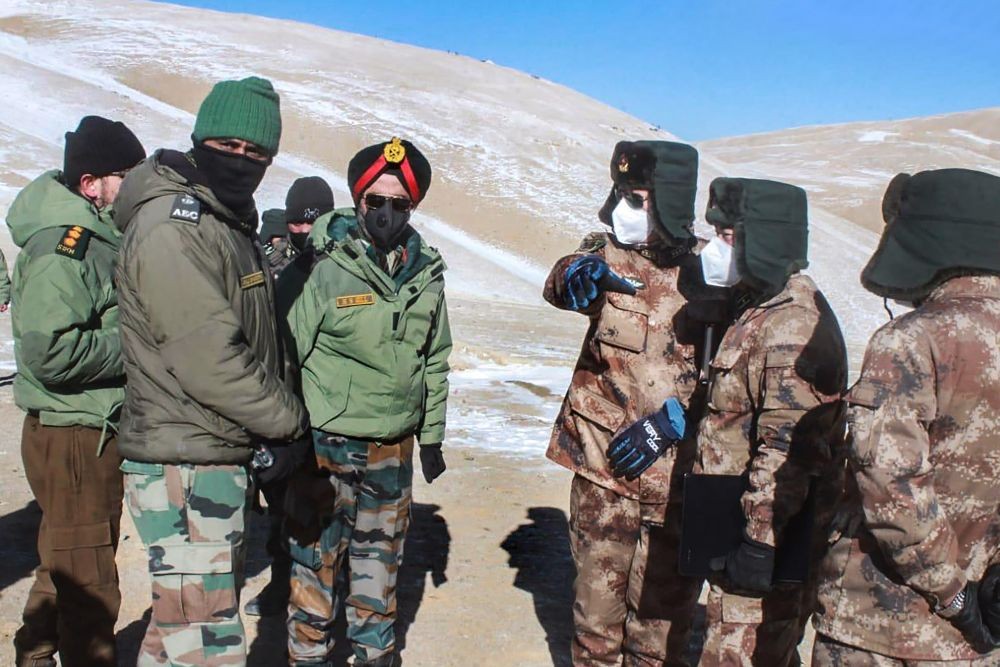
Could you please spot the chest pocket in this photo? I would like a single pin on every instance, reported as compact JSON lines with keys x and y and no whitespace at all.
{"x":623,"y":323}
{"x":729,"y":391}
{"x":786,"y":384}
{"x":419,"y":311}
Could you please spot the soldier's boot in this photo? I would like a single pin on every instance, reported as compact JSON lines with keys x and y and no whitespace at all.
{"x":387,"y":660}
{"x":273,"y":599}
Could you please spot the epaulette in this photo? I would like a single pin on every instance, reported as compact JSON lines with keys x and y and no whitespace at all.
{"x":186,"y":208}
{"x":593,"y":242}
{"x":74,"y":242}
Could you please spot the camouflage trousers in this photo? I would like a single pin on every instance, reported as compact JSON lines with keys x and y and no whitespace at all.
{"x":831,"y":653}
{"x":742,"y":631}
{"x":354,"y":515}
{"x":630,"y":603}
{"x":192,"y":520}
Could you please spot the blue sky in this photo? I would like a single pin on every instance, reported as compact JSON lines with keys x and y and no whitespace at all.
{"x":705,"y":69}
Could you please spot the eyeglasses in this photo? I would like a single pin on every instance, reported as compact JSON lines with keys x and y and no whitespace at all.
{"x":634,"y":199}
{"x":399,"y":204}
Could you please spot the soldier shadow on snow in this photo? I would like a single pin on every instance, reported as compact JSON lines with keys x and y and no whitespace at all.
{"x":19,"y":549}
{"x":426,"y":550}
{"x":540,"y":552}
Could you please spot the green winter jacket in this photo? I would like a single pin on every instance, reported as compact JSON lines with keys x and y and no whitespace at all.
{"x":372,"y":350}
{"x":65,"y":311}
{"x":4,"y":280}
{"x":199,"y":338}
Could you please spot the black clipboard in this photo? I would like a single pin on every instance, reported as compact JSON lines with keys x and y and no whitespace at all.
{"x":712,"y":526}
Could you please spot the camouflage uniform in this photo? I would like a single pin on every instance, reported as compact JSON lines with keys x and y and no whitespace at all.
{"x":192,"y":519}
{"x":920,"y":516}
{"x":624,"y":535}
{"x":280,"y":254}
{"x":362,"y":500}
{"x":774,"y":411}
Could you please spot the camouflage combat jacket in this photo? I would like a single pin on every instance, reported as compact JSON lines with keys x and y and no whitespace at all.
{"x":774,"y":406}
{"x":639,"y":351}
{"x":280,"y":254}
{"x":922,"y":510}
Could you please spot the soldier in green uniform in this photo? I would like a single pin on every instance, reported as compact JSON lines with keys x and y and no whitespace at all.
{"x":71,"y":384}
{"x":204,"y":368}
{"x":4,"y":285}
{"x":369,"y":329}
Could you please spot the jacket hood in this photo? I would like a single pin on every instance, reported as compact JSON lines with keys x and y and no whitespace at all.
{"x":168,"y":172}
{"x":46,"y":202}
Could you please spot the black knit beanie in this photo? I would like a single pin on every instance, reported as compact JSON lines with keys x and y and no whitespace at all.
{"x":99,"y":147}
{"x":307,"y":199}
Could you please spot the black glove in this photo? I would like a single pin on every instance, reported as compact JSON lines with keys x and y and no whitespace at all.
{"x":432,"y":461}
{"x":589,"y":276}
{"x":287,"y":458}
{"x":638,"y":446}
{"x":749,"y":567}
{"x":989,"y":598}
{"x":970,"y":622}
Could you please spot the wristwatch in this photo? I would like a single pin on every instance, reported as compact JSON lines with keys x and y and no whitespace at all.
{"x":954,"y":607}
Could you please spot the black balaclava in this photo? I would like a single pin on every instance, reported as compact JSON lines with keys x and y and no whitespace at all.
{"x":232,"y":178}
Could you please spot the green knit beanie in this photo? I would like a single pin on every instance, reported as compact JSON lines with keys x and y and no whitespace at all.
{"x":246,"y":109}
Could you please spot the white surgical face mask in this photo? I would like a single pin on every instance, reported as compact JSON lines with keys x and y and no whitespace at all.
{"x":718,"y":264}
{"x":631,"y":225}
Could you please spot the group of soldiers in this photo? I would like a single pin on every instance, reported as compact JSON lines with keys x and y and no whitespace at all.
{"x":165,"y":357}
{"x":172,"y":355}
{"x":712,"y":386}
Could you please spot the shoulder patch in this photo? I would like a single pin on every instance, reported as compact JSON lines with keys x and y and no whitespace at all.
{"x":186,"y":208}
{"x":593,"y":242}
{"x":74,"y":242}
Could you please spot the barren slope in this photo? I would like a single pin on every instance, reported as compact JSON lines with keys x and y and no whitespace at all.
{"x":846,"y":167}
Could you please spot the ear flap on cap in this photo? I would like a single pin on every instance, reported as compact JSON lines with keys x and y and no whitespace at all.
{"x":725,"y":202}
{"x":893,"y":199}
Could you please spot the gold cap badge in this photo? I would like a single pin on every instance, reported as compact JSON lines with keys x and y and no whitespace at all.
{"x":394,"y":151}
{"x":623,"y":164}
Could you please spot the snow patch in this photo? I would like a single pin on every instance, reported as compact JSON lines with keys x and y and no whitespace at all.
{"x":876,"y":136}
{"x":965,"y":134}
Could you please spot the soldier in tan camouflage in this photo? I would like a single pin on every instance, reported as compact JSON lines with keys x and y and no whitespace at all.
{"x":641,"y":347}
{"x":774,"y":415}
{"x":903,"y":583}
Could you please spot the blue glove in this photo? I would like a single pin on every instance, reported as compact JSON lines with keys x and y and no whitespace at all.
{"x":638,"y":446}
{"x":589,"y":276}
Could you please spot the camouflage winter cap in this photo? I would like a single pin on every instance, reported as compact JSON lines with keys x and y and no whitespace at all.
{"x":771,"y":222}
{"x":939,"y":224}
{"x":247,"y":109}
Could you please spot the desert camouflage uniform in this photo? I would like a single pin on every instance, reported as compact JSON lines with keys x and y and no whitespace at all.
{"x":192,"y":520}
{"x":362,"y":502}
{"x":638,"y":351}
{"x":774,"y":411}
{"x":920,"y":517}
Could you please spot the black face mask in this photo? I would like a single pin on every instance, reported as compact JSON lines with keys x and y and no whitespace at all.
{"x":387,"y":227}
{"x":298,"y":240}
{"x":232,"y":178}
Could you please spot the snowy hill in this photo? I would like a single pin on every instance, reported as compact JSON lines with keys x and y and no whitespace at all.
{"x":846,"y":167}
